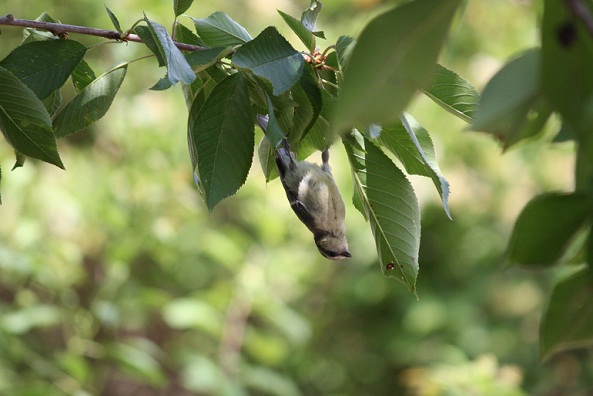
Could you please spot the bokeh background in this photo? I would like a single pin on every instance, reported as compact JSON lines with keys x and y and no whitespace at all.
{"x":115,"y":279}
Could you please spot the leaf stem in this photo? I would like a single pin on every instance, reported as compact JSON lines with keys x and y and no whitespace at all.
{"x":59,"y":29}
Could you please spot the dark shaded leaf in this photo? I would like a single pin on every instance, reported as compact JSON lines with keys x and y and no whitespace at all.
{"x":568,"y":321}
{"x":300,"y":30}
{"x":177,"y":67}
{"x":82,"y":76}
{"x":270,"y":56}
{"x":546,"y":226}
{"x":185,"y":35}
{"x":114,"y":20}
{"x":44,"y":66}
{"x":24,"y":121}
{"x":180,"y":6}
{"x":344,"y":47}
{"x":223,"y":135}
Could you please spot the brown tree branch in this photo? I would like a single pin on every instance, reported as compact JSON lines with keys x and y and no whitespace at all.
{"x":60,"y":29}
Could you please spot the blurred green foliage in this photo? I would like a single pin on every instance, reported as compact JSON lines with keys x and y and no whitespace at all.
{"x":114,"y":280}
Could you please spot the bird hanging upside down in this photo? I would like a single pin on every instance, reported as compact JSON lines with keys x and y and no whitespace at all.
{"x":316,"y":200}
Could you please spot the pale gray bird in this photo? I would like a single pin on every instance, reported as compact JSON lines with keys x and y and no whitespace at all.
{"x":316,"y":200}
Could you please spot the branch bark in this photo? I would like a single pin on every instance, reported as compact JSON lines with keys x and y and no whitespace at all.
{"x":59,"y":29}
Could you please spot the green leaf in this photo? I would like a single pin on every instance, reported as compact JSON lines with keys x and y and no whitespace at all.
{"x":320,"y":136}
{"x":19,"y":160}
{"x":31,"y":34}
{"x":82,"y":76}
{"x":270,"y":56}
{"x":453,"y":93}
{"x":567,"y":56}
{"x":177,"y":67}
{"x":198,"y":61}
{"x":300,"y":30}
{"x":265,"y":153}
{"x":273,"y":131}
{"x":180,"y":6}
{"x":413,"y":147}
{"x":309,"y":18}
{"x":114,"y":20}
{"x":512,"y":100}
{"x":568,"y":320}
{"x":24,"y":121}
{"x":219,"y":30}
{"x":152,"y":43}
{"x":90,"y":104}
{"x":393,"y":58}
{"x":184,"y":35}
{"x":344,"y":47}
{"x":0,"y":184}
{"x":546,"y":226}
{"x":388,"y":202}
{"x":44,"y":66}
{"x":223,"y":135}
{"x":53,"y":102}
{"x":196,"y":107}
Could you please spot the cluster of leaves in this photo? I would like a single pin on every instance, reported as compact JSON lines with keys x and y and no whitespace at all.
{"x":234,"y":77}
{"x":516,"y":104}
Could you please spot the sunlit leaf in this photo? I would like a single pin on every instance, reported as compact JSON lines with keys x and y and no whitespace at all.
{"x":219,"y":30}
{"x":53,"y":102}
{"x":25,"y":122}
{"x":270,"y":56}
{"x":546,"y":226}
{"x":393,"y":58}
{"x":388,"y":202}
{"x":413,"y":147}
{"x":90,"y":104}
{"x":44,"y":66}
{"x":223,"y":135}
{"x":185,"y":35}
{"x":568,"y":320}
{"x":32,"y":34}
{"x":453,"y":93}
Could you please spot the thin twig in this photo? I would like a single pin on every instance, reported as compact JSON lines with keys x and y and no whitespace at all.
{"x":59,"y":29}
{"x":582,"y":12}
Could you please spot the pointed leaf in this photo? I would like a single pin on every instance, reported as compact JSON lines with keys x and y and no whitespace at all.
{"x":53,"y":102}
{"x":19,"y":160}
{"x":219,"y":30}
{"x":390,"y":205}
{"x":453,"y":93}
{"x":90,"y":104}
{"x":270,"y":56}
{"x":300,"y":30}
{"x":274,"y":131}
{"x":413,"y":147}
{"x":196,"y":107}
{"x":393,"y":58}
{"x":82,"y":76}
{"x":24,"y":121}
{"x":510,"y":99}
{"x":223,"y":135}
{"x":114,"y":20}
{"x":568,"y":320}
{"x":44,"y":66}
{"x":320,"y":136}
{"x":180,"y":6}
{"x":545,"y":227}
{"x":177,"y":67}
